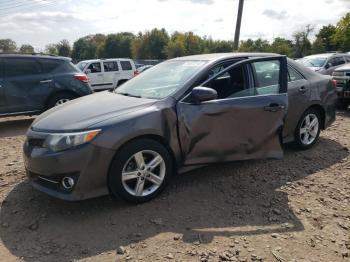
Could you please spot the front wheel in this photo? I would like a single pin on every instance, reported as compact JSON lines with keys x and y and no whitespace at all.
{"x":140,"y":171}
{"x":308,"y":129}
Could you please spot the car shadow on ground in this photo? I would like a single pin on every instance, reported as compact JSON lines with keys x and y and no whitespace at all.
{"x":241,"y":198}
{"x":14,"y":126}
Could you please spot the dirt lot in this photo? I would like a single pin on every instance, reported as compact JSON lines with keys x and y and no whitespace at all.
{"x":296,"y":209}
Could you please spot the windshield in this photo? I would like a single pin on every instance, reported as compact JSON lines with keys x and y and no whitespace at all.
{"x":313,"y":62}
{"x":161,"y":80}
{"x":81,"y":65}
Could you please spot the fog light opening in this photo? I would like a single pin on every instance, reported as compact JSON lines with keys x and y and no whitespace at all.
{"x":68,"y":183}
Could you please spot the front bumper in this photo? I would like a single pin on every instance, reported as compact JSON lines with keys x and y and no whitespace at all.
{"x":87,"y":164}
{"x":343,"y":86}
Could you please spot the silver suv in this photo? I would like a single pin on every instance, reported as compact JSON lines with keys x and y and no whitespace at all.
{"x":325,"y":63}
{"x":342,"y":76}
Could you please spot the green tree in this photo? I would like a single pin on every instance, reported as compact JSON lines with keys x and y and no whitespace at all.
{"x":302,"y":44}
{"x":342,"y":33}
{"x":151,"y":45}
{"x":118,"y":45}
{"x":7,"y":45}
{"x":258,"y":45}
{"x":318,"y":46}
{"x":282,"y":46}
{"x":84,"y":48}
{"x":63,"y":48}
{"x":325,"y":38}
{"x":26,"y":49}
{"x":51,"y":49}
{"x":175,"y":48}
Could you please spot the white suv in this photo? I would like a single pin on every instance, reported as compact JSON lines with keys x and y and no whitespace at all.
{"x":108,"y":73}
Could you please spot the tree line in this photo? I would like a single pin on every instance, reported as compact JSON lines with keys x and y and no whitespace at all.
{"x":159,"y":44}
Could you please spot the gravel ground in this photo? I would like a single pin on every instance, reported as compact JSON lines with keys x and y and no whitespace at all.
{"x":295,"y":209}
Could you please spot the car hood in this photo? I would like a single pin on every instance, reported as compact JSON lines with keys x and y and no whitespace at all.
{"x":345,"y":67}
{"x":315,"y":68}
{"x":81,"y":113}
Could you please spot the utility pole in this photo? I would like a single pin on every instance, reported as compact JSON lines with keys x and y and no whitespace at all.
{"x":238,"y":25}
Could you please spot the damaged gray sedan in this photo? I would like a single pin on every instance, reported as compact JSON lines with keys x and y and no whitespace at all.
{"x":180,"y":114}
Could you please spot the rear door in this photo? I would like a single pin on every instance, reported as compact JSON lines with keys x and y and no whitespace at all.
{"x":2,"y":90}
{"x":246,"y":120}
{"x":111,"y":73}
{"x":127,"y":69}
{"x":299,"y":92}
{"x":24,"y":82}
{"x":96,"y":75}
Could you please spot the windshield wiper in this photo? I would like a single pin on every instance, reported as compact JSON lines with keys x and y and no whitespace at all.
{"x":127,"y":94}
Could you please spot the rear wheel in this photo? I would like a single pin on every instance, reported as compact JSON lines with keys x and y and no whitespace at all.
{"x":59,"y":99}
{"x":140,"y":171}
{"x":308,"y":129}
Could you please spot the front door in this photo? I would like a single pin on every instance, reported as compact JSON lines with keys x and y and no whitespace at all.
{"x":94,"y":70}
{"x":24,"y":83}
{"x":246,"y":120}
{"x":299,"y":92}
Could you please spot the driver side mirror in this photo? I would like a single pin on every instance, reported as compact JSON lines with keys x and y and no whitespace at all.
{"x":202,"y":94}
{"x":328,"y":65}
{"x":88,"y":71}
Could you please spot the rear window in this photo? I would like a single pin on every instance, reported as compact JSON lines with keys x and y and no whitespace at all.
{"x":110,"y":66}
{"x":50,"y":65}
{"x":21,"y":67}
{"x":126,"y":65}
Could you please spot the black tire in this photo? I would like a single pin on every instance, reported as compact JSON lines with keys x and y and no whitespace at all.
{"x":53,"y":100}
{"x":120,"y":82}
{"x":115,"y":183}
{"x":298,"y":142}
{"x":342,"y":105}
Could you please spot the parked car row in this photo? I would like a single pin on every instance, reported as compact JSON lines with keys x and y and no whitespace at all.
{"x":336,"y":65}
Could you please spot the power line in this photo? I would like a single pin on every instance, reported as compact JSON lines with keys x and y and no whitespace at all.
{"x":29,"y":7}
{"x":28,"y":4}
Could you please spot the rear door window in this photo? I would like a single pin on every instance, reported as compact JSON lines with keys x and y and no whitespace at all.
{"x":126,"y":65}
{"x":95,"y":68}
{"x":293,"y":75}
{"x":50,"y":65}
{"x":340,"y":60}
{"x":110,"y":66}
{"x":21,"y":67}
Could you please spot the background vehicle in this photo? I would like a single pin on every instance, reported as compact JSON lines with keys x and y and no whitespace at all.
{"x":342,"y":76}
{"x":108,"y":73}
{"x":182,"y":113}
{"x":30,"y":84}
{"x":325,"y":63}
{"x":143,"y":68}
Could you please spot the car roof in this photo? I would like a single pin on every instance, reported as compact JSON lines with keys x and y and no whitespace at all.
{"x":34,"y":56}
{"x":107,"y":59}
{"x":344,"y":67}
{"x":220,"y":56}
{"x":325,"y":55}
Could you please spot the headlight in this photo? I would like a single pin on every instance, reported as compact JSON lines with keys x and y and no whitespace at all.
{"x":62,"y":141}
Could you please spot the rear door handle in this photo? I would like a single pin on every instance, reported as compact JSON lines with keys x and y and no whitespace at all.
{"x":274,"y":107}
{"x":45,"y":81}
{"x":302,"y":89}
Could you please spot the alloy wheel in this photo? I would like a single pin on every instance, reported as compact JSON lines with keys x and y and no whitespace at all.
{"x":143,"y":173}
{"x":62,"y":101}
{"x":309,"y":129}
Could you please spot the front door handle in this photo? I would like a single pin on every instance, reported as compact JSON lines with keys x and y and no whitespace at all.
{"x":274,"y":107}
{"x":45,"y":81}
{"x":302,"y":89}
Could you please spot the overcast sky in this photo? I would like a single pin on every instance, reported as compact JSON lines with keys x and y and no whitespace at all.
{"x":39,"y":22}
